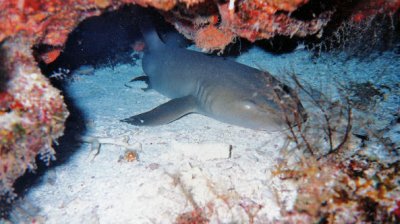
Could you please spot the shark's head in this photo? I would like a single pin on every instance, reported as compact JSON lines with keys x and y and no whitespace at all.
{"x":273,"y":110}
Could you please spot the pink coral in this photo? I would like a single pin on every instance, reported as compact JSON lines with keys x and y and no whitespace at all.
{"x":32,"y":115}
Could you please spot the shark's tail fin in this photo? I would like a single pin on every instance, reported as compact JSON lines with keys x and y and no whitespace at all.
{"x":150,"y":34}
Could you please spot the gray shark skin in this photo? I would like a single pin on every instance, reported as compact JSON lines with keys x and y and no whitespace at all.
{"x":215,"y":87}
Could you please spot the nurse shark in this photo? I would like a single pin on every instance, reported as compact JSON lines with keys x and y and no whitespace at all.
{"x":213,"y":86}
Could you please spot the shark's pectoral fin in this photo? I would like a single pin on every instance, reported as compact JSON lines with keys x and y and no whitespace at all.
{"x":145,"y":79}
{"x":165,"y":113}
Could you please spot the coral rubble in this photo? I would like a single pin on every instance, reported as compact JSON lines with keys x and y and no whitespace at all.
{"x":356,"y":190}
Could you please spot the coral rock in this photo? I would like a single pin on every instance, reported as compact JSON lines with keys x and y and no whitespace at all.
{"x":212,"y":38}
{"x":32,"y":114}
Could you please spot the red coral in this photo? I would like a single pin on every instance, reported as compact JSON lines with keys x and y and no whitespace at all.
{"x":197,"y":216}
{"x":372,"y":7}
{"x":397,"y":210}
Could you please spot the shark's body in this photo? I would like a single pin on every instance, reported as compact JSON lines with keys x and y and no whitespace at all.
{"x":213,"y":86}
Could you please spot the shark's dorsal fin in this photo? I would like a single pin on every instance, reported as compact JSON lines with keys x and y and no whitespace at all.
{"x":151,"y":38}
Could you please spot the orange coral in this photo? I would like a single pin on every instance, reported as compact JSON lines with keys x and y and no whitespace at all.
{"x":212,"y":38}
{"x":286,"y":5}
{"x":50,"y":21}
{"x":51,"y":55}
{"x":251,"y":19}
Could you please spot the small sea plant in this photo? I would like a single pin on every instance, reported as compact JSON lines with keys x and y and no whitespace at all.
{"x":338,"y":182}
{"x":359,"y":35}
{"x":59,"y":74}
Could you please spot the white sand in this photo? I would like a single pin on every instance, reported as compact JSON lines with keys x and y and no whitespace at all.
{"x":171,"y":170}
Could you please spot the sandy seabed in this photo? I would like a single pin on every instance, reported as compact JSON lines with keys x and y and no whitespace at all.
{"x":231,"y":179}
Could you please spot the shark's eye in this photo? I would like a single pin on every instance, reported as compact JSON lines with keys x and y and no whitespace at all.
{"x":286,"y":89}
